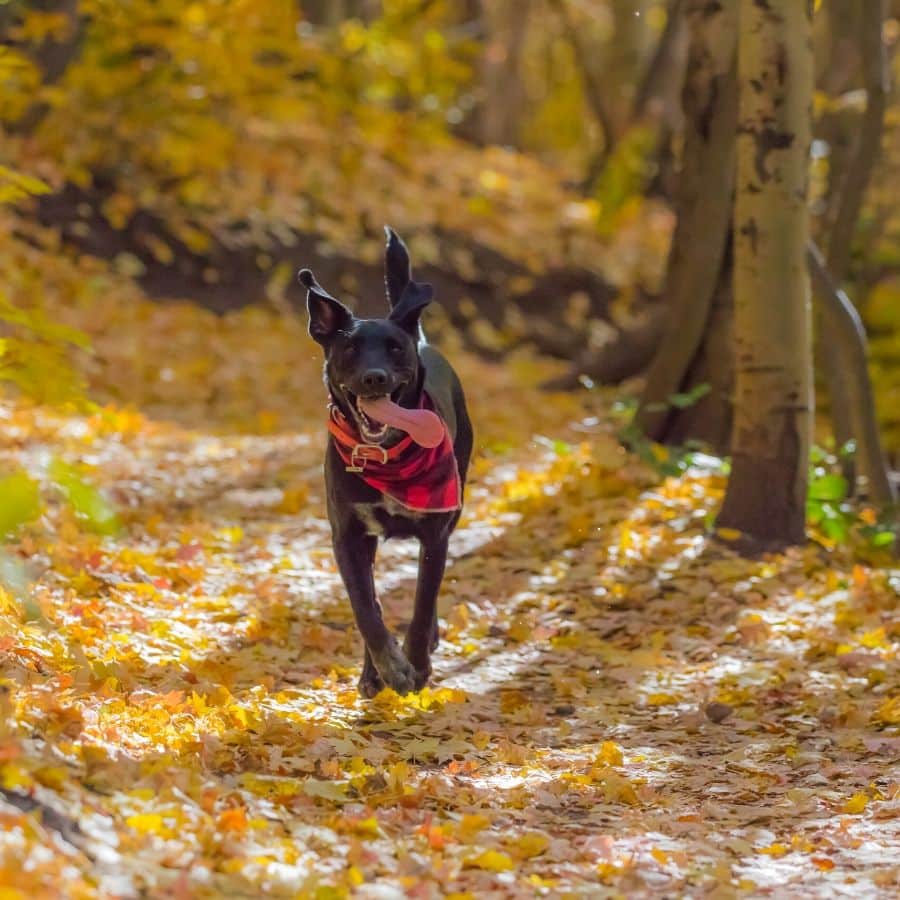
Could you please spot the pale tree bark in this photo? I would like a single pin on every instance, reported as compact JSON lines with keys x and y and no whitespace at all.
{"x":695,"y":269}
{"x":766,"y":495}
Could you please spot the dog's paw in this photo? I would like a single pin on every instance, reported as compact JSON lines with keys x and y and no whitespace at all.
{"x":370,"y":684}
{"x":423,"y":675}
{"x":396,"y":671}
{"x":420,"y":660}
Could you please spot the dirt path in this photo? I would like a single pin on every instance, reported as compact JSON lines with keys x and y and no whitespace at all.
{"x":620,"y":707}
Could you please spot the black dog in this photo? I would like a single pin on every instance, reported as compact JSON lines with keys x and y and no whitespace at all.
{"x":379,"y":483}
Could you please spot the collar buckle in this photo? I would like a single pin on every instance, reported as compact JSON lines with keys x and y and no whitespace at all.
{"x":363,"y":453}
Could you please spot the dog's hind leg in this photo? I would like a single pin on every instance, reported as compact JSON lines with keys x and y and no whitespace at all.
{"x":354,"y":551}
{"x":421,"y":638}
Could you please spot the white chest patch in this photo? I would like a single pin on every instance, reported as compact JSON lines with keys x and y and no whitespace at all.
{"x":367,"y":513}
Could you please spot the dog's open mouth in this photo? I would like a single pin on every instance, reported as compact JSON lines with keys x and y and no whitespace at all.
{"x":371,"y":431}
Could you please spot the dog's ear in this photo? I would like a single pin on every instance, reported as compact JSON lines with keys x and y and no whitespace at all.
{"x":327,"y":316}
{"x":397,"y":270}
{"x":416,"y":296}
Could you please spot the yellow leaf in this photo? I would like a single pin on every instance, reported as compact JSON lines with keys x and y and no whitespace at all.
{"x":366,"y":827}
{"x":11,"y":893}
{"x":856,"y":804}
{"x":773,"y":850}
{"x":610,"y":754}
{"x":471,"y":824}
{"x":874,"y":639}
{"x":491,"y":861}
{"x":530,"y":844}
{"x":13,"y":776}
{"x":149,"y":823}
{"x":51,"y":777}
{"x":662,"y":699}
{"x":889,"y":711}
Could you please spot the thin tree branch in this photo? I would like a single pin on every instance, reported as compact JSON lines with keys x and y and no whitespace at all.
{"x":653,"y":82}
{"x":876,"y":74}
{"x":860,"y":166}
{"x":846,"y":326}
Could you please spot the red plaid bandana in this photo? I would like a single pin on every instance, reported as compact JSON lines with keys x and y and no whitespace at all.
{"x":420,"y":478}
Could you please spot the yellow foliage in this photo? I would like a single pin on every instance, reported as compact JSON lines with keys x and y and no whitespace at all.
{"x":491,"y":861}
{"x":856,"y":804}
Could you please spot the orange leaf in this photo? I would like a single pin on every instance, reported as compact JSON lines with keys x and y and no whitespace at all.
{"x":234,"y":819}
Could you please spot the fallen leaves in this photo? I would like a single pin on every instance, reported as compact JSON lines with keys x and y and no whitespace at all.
{"x":616,"y":698}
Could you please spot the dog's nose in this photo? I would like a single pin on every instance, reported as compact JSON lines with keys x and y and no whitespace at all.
{"x":375,"y":380}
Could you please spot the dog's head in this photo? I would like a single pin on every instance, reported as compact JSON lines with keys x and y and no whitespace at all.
{"x":371,"y":358}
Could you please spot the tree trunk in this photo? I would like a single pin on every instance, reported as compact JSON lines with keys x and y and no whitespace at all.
{"x":504,"y":95}
{"x":698,"y":254}
{"x":627,"y":55}
{"x":849,"y":198}
{"x":850,"y":361}
{"x":766,"y":495}
{"x":659,"y":88}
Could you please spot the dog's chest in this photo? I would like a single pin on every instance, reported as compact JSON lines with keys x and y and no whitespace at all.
{"x":388,"y":518}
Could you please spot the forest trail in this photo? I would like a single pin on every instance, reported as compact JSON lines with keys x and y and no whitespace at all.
{"x":620,"y":705}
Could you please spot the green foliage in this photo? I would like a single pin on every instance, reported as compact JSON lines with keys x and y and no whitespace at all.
{"x":89,"y":504}
{"x":625,"y":175}
{"x":20,"y":502}
{"x":666,"y":461}
{"x":831,"y":510}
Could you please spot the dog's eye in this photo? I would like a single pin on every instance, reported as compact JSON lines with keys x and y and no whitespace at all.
{"x":395,"y":348}
{"x":350,"y":351}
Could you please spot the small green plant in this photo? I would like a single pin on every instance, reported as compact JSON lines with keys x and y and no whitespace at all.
{"x":21,"y":504}
{"x":666,"y":461}
{"x":831,"y":509}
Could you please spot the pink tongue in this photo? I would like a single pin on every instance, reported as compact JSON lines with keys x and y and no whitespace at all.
{"x":422,"y":425}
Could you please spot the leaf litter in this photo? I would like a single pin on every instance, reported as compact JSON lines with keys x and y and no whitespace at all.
{"x":620,"y":706}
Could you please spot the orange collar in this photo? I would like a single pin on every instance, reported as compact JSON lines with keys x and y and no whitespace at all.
{"x":360,"y":452}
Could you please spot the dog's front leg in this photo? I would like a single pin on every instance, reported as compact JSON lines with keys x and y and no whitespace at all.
{"x":421,"y":636}
{"x":354,"y":551}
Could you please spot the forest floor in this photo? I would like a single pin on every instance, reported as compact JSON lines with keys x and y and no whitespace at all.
{"x":620,"y":705}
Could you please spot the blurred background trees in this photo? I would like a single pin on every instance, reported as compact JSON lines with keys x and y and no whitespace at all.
{"x":541,"y":156}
